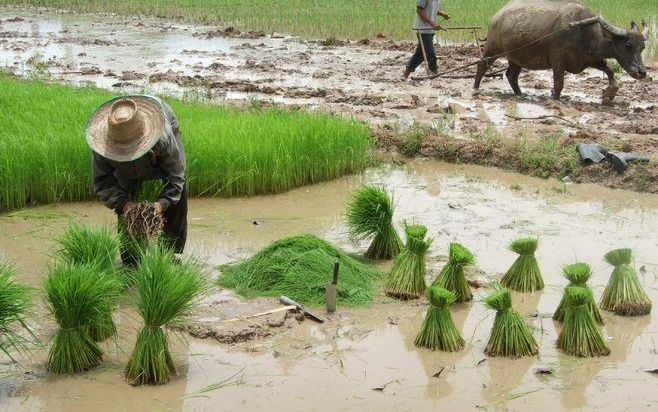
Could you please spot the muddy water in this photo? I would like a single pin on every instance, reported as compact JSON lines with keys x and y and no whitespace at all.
{"x":338,"y":365}
{"x":363,"y":80}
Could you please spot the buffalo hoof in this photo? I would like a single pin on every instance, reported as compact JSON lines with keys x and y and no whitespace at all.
{"x":610,"y":93}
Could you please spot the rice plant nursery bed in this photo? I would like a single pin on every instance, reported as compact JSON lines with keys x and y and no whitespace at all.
{"x":230,"y":152}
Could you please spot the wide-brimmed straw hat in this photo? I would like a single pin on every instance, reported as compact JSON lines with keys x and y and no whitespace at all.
{"x":126,"y":128}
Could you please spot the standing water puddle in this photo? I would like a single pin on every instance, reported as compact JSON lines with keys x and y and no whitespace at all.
{"x":365,"y":358}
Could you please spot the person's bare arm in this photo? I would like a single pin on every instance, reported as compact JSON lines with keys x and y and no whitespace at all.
{"x":444,"y":15}
{"x":424,"y":17}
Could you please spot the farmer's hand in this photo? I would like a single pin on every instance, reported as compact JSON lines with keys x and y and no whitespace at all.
{"x":127,"y":207}
{"x":158,"y":207}
{"x":446,"y":16}
{"x":437,"y":27}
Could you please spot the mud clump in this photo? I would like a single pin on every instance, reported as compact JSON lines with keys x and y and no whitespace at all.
{"x":231,"y":32}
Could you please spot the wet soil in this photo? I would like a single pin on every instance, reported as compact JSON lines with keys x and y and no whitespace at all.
{"x":351,"y":78}
{"x":364,"y":359}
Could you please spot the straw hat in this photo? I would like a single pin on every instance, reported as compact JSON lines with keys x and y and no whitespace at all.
{"x":126,"y":128}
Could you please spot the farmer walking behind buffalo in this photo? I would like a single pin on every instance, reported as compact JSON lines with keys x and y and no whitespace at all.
{"x":425,"y":26}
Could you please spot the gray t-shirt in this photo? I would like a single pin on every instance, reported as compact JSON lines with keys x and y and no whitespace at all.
{"x":432,"y":9}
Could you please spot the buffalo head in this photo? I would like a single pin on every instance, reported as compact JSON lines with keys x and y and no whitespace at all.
{"x":627,"y":46}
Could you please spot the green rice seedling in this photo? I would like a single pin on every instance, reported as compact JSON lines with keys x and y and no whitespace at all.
{"x":298,"y":267}
{"x":78,"y":296}
{"x":370,"y":216}
{"x":580,"y":335}
{"x":524,"y":275}
{"x":438,"y":330}
{"x":577,"y":274}
{"x":510,"y":336}
{"x":14,"y":304}
{"x":452,"y":275}
{"x":165,"y":294}
{"x":624,"y":295}
{"x":407,"y":278}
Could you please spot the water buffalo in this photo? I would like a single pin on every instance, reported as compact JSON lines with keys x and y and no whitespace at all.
{"x":522,"y":32}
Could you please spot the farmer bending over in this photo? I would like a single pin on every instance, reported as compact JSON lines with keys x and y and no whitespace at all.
{"x":135,"y":139}
{"x":425,"y":26}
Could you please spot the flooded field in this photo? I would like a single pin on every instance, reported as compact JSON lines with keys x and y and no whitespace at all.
{"x":366,"y":358}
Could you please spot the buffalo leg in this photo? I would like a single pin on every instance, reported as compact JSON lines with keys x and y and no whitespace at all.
{"x":558,"y":80}
{"x":482,"y":69}
{"x":512,"y":74}
{"x":612,"y":89}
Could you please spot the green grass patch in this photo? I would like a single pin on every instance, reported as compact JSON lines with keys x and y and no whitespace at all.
{"x":230,"y":152}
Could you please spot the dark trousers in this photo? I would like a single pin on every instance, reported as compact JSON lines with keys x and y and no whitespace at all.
{"x":174,"y":233}
{"x":417,"y":58}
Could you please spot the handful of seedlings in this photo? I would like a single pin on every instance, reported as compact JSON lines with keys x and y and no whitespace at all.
{"x":14,"y":303}
{"x":624,"y":294}
{"x":524,"y":274}
{"x":143,"y":221}
{"x":510,"y":335}
{"x":370,"y":215}
{"x":407,"y":278}
{"x":166,"y":293}
{"x":79,"y":297}
{"x":452,"y":275}
{"x":438,"y":330}
{"x":580,"y":335}
{"x":578,"y":274}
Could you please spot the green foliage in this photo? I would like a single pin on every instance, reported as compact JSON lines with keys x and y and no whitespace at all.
{"x":229,"y":152}
{"x":624,"y":295}
{"x":524,"y":274}
{"x":407,"y":278}
{"x":299,"y":267}
{"x":14,"y":304}
{"x":510,"y":335}
{"x":438,"y":331}
{"x":166,"y":293}
{"x":85,"y":245}
{"x":452,"y":275}
{"x":580,"y":335}
{"x":370,"y":215}
{"x":78,"y":297}
{"x":412,"y":141}
{"x":577,"y":274}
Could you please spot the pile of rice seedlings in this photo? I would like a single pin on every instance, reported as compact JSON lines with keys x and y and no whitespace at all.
{"x":407,"y":278}
{"x":370,"y":216}
{"x":580,"y":335}
{"x":524,"y":274}
{"x":78,"y":297}
{"x":14,"y":304}
{"x":624,"y":295}
{"x":578,"y":274}
{"x":165,"y":294}
{"x":452,"y":275}
{"x":510,"y":336}
{"x":438,"y":330}
{"x":299,"y":267}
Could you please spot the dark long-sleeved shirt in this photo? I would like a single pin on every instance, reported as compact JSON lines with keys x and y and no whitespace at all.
{"x":115,"y":182}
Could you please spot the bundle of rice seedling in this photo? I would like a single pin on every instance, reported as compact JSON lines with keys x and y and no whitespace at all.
{"x":407,"y":278}
{"x":84,"y":245}
{"x":438,"y":330}
{"x":14,"y":303}
{"x":578,"y":274}
{"x":370,"y":215}
{"x":624,"y":295}
{"x":524,"y":275}
{"x":78,"y":297}
{"x":298,"y":267}
{"x":510,"y":335}
{"x":452,"y":275}
{"x":166,"y":294}
{"x":580,"y":335}
{"x":143,"y":221}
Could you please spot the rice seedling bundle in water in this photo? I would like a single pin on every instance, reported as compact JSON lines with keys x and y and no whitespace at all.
{"x":407,"y":278}
{"x":624,"y":295}
{"x":298,"y":267}
{"x":165,"y":294}
{"x":438,"y":330}
{"x":510,"y":336}
{"x":524,"y":275}
{"x":370,"y":216}
{"x":452,"y":275}
{"x":580,"y":335}
{"x":14,"y":304}
{"x":78,"y":296}
{"x":578,"y":274}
